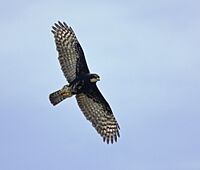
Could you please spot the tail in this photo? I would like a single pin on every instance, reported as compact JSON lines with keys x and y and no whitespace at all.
{"x":59,"y":95}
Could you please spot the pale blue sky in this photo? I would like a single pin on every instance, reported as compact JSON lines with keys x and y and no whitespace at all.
{"x":147,"y":54}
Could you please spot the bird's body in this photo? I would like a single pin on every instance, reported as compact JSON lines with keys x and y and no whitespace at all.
{"x":82,"y":84}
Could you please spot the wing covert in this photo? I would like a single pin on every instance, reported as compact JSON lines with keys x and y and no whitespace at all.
{"x":71,"y":55}
{"x":98,"y":112}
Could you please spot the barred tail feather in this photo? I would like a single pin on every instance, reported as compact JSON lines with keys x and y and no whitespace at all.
{"x":56,"y":97}
{"x":59,"y":95}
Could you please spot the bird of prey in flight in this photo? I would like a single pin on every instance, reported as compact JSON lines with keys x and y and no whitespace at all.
{"x":82,"y":84}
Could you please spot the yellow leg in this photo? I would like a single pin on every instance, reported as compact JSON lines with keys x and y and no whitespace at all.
{"x":66,"y":91}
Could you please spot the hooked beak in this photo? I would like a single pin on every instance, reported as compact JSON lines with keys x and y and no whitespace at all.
{"x":93,"y":80}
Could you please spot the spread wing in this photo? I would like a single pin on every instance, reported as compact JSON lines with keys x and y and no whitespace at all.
{"x":71,"y":55}
{"x":98,"y":112}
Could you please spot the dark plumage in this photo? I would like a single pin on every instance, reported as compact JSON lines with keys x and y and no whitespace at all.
{"x":82,"y":84}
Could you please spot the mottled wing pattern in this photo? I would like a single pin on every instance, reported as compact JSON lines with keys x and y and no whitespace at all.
{"x":71,"y":56}
{"x":98,"y":112}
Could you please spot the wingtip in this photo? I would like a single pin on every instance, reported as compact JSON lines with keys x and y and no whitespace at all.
{"x":65,"y":24}
{"x":111,"y":139}
{"x":59,"y":25}
{"x":53,"y":31}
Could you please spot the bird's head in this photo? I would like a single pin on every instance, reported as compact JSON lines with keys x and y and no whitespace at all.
{"x":94,"y":78}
